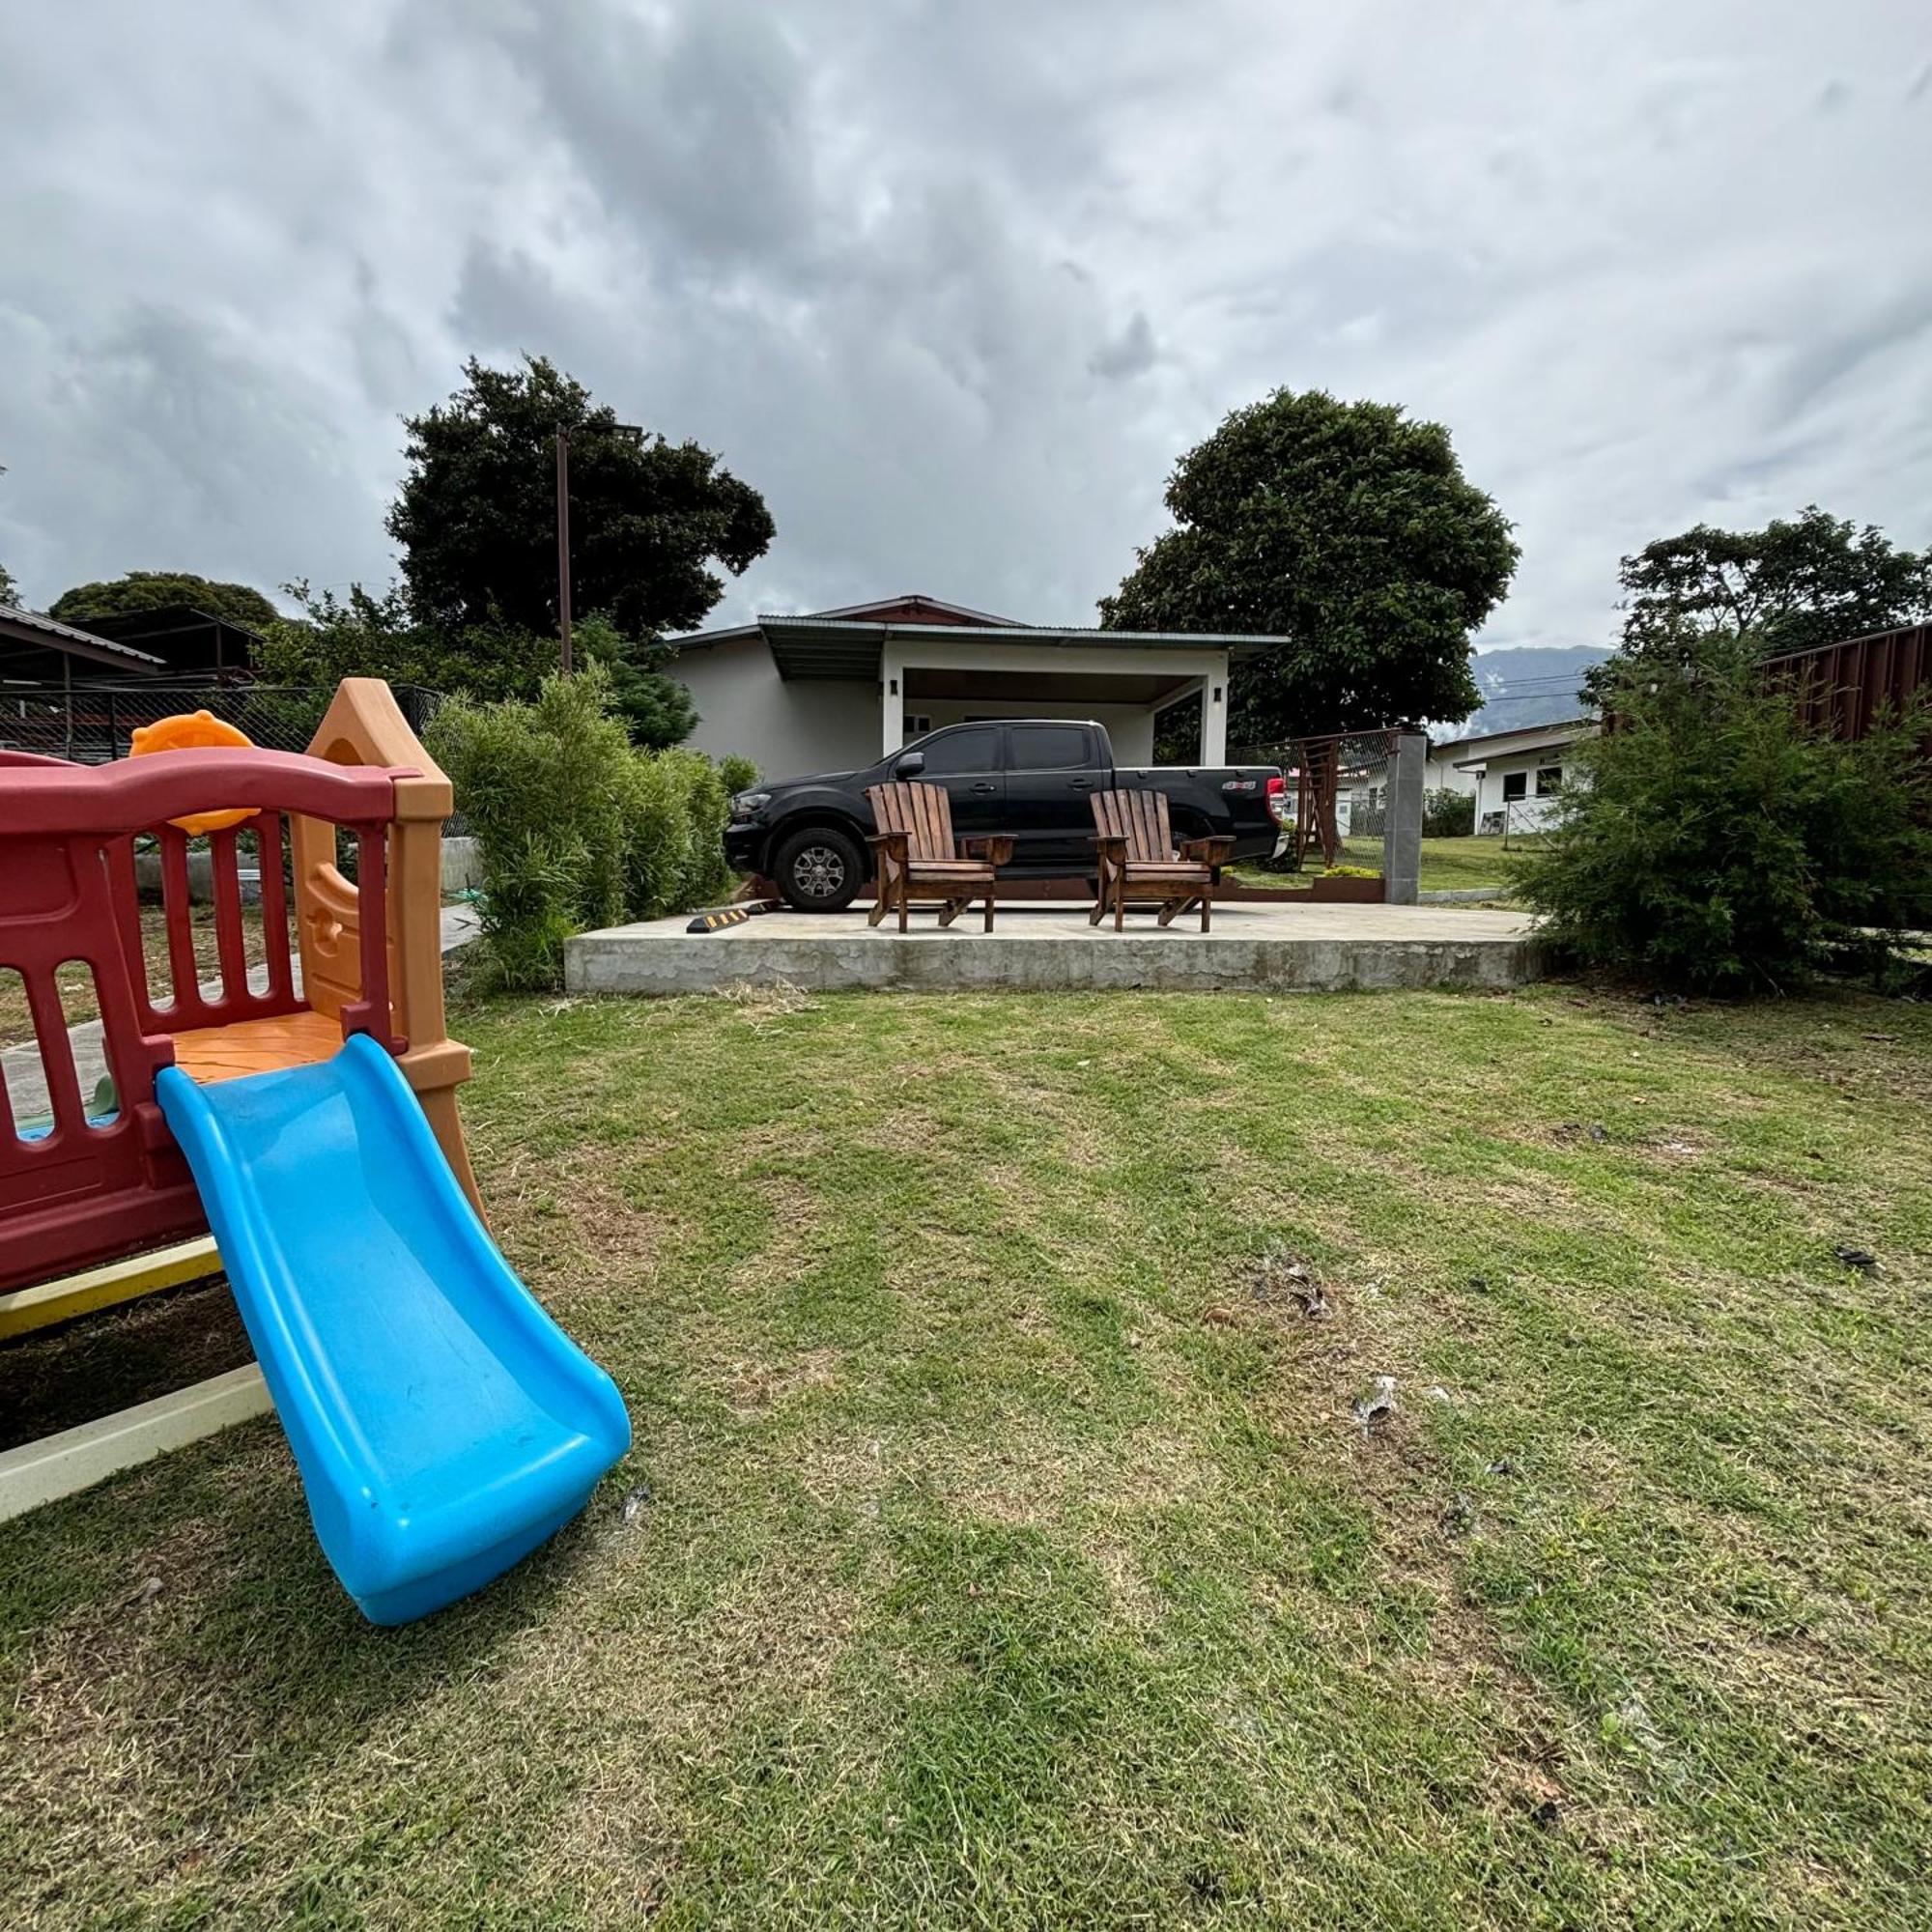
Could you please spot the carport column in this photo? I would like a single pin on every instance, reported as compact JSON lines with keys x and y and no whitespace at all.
{"x":1402,"y":821}
{"x":1215,"y":713}
{"x":892,"y":696}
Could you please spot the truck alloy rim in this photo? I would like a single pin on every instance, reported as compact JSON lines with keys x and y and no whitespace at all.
{"x":818,"y":871}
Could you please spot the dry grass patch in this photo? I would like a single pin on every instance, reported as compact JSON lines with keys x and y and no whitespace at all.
{"x":1004,"y":1548}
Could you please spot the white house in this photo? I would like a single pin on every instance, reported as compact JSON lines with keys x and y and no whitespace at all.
{"x":1514,"y":775}
{"x":836,"y":690}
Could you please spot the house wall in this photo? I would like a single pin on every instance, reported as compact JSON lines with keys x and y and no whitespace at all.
{"x":1528,"y":812}
{"x":787,"y":729}
{"x":1097,"y":661}
{"x":1440,"y":775}
{"x":791,"y":727}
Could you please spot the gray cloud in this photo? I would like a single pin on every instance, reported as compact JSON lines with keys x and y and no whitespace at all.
{"x":953,"y":286}
{"x":1131,"y":352}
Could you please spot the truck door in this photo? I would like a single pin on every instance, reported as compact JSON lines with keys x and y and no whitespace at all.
{"x":965,"y":758}
{"x":1052,"y":774}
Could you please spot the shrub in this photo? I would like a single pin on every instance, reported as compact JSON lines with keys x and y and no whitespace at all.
{"x":576,"y":828}
{"x":1717,"y":845}
{"x":657,"y":841}
{"x":656,"y":710}
{"x":1448,"y":814}
{"x":704,"y":805}
{"x":542,"y":786}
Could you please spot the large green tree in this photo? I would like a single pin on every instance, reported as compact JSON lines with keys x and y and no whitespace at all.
{"x":368,"y":633}
{"x":476,"y":515}
{"x":1813,"y":579}
{"x":160,"y":589}
{"x":1348,"y":530}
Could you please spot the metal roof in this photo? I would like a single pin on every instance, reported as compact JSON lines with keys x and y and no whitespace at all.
{"x":37,"y":632}
{"x":165,"y":621}
{"x":909,"y":597}
{"x":1535,"y":738}
{"x":848,"y":648}
{"x":1570,"y":725}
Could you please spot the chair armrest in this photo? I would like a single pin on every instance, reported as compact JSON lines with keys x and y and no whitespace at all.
{"x":1106,"y":847}
{"x":897,"y":839}
{"x":1207,"y":851}
{"x":995,"y":848}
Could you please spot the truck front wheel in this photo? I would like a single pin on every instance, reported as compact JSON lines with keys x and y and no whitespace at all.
{"x":820,"y":869}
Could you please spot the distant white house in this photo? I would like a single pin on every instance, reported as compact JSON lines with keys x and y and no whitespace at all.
{"x":838,"y":689}
{"x":1514,"y":776}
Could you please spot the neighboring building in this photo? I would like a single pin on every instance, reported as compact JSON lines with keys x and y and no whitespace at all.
{"x":172,"y":642}
{"x":77,"y":692}
{"x":1515,"y":775}
{"x":39,"y":651}
{"x":1440,"y":771}
{"x":836,"y":690}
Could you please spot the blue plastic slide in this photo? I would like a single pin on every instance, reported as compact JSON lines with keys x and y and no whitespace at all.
{"x":443,"y":1424}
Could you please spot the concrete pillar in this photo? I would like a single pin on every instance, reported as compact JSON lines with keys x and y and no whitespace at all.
{"x":1214,"y":714}
{"x":1402,"y":823}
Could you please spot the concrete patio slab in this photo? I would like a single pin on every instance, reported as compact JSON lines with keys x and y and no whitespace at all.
{"x":1050,"y":948}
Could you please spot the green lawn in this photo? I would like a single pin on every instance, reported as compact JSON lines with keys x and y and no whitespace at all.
{"x":1001,"y":1547}
{"x":1448,"y":865}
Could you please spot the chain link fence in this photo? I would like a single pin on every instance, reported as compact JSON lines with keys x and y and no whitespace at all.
{"x":1335,"y":808}
{"x":95,"y":723}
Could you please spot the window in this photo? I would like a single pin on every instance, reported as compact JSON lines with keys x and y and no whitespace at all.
{"x":914,"y":726}
{"x":1049,"y":748}
{"x":1516,"y":785}
{"x":1549,"y":781}
{"x":974,"y":747}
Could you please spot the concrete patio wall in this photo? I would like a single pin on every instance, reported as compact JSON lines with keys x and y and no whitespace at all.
{"x":1253,"y":948}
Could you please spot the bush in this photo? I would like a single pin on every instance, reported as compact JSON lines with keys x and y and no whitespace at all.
{"x":1717,"y":845}
{"x":575,"y":826}
{"x":1448,"y":814}
{"x":657,"y":841}
{"x":656,"y":710}
{"x":707,"y":805}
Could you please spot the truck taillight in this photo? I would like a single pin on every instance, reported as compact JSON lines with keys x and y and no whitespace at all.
{"x":1277,"y":795}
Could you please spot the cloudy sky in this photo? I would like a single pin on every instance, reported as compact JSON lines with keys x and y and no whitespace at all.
{"x":952,"y":284}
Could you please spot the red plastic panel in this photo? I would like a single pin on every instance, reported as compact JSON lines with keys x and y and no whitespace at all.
{"x":63,"y":1193}
{"x":76,"y":1194}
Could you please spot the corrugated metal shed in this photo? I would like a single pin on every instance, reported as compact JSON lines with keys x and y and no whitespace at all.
{"x":1841,"y":688}
{"x":39,"y":650}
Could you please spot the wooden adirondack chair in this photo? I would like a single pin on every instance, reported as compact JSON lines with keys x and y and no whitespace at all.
{"x":915,"y":851}
{"x":1137,"y":855}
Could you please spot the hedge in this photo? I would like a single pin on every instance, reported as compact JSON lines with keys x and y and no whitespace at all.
{"x":575,"y":826}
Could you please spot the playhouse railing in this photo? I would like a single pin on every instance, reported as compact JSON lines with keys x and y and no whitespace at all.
{"x":83,"y":1188}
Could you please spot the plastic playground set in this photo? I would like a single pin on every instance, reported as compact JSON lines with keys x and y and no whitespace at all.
{"x":303,"y":1110}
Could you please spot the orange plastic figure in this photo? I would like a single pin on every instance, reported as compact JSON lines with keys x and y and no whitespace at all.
{"x":193,"y":731}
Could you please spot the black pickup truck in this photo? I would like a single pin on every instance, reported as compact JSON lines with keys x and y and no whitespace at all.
{"x":1030,"y":778}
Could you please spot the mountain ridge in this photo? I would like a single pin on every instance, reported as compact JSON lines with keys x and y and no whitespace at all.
{"x":1524,"y":685}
